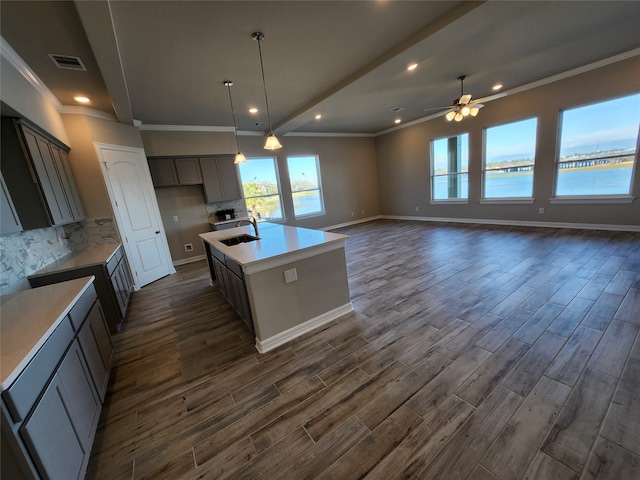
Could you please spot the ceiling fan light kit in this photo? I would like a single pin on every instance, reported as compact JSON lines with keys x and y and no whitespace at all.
{"x":463,"y":106}
{"x":271,"y":142}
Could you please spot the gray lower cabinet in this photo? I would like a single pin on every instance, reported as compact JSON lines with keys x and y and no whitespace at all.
{"x":59,"y":432}
{"x":113,"y":283}
{"x":231,"y":283}
{"x":36,"y":170}
{"x":220,"y":178}
{"x":50,"y":412}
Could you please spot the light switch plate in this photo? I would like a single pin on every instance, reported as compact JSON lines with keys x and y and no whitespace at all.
{"x":290,"y":275}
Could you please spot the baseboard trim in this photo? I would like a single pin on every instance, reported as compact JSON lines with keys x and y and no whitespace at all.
{"x":354,"y":222}
{"x":518,"y":223}
{"x":184,"y":261}
{"x":281,"y":338}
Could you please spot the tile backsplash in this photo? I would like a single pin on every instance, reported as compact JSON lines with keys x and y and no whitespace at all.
{"x":24,"y":253}
{"x":237,"y":205}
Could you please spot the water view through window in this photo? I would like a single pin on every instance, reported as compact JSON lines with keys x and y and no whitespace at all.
{"x":304,"y":175}
{"x":598,"y":146}
{"x":261,"y":188}
{"x":510,"y":152}
{"x":450,"y":167}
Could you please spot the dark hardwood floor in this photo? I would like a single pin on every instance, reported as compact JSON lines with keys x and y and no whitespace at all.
{"x":477,"y":352}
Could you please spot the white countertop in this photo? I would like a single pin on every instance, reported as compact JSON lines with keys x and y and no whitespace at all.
{"x":275,"y":241}
{"x":88,"y":257}
{"x":28,"y":319}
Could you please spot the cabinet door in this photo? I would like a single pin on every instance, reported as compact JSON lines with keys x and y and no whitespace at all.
{"x":211,"y":180}
{"x":163,"y":172}
{"x":229,"y":178}
{"x":48,"y":177}
{"x":121,"y":282}
{"x":60,"y":431}
{"x":95,"y":342}
{"x":62,"y":161}
{"x":188,"y":170}
{"x":8,"y":216}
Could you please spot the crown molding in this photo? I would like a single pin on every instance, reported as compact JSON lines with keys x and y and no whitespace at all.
{"x":327,"y":134}
{"x":16,"y":61}
{"x":90,"y":112}
{"x":545,"y":81}
{"x":184,"y":128}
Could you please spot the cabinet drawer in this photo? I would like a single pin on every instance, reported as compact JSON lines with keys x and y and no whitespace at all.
{"x":235,"y":267}
{"x":114,"y":260}
{"x":79,"y":311}
{"x":218,"y":254}
{"x":21,"y":396}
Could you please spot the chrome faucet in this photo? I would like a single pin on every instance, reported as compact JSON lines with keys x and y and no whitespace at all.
{"x":250,"y":220}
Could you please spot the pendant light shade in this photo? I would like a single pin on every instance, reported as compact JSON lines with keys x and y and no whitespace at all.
{"x":240,"y":158}
{"x":272,"y":142}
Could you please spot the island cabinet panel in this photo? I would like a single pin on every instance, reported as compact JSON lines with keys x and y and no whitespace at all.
{"x":38,"y":177}
{"x":220,"y":178}
{"x":10,"y":223}
{"x":95,"y":341}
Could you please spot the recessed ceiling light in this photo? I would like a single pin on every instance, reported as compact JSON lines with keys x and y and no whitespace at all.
{"x":318,"y":117}
{"x":81,"y":99}
{"x":413,"y":66}
{"x":253,"y":110}
{"x":497,"y":87}
{"x":397,"y":120}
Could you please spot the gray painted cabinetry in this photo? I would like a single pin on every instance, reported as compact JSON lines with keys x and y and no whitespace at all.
{"x":10,"y":223}
{"x":231,"y":283}
{"x":216,"y":173}
{"x":36,"y":170}
{"x":113,"y":279}
{"x":50,"y":412}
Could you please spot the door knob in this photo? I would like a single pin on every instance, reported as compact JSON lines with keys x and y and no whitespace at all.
{"x":157,"y":232}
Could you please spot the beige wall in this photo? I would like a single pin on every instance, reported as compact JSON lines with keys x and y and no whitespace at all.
{"x":348,"y":170}
{"x":83,"y":131}
{"x":403,"y":155}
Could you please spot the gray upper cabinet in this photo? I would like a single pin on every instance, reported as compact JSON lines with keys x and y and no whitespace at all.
{"x":174,"y":171}
{"x":10,"y":223}
{"x":35,"y":167}
{"x":220,"y":178}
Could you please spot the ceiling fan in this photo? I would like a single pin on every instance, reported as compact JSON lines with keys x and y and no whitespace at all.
{"x":463,"y":106}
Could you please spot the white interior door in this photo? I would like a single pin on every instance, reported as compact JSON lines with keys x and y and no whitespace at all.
{"x":128,"y":180}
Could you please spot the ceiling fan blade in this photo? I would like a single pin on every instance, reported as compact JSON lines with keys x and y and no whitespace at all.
{"x":439,"y":108}
{"x":464,"y":99}
{"x":476,"y":105}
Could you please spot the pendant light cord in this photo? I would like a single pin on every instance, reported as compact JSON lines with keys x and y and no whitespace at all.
{"x":264,"y":83}
{"x":233,"y":115}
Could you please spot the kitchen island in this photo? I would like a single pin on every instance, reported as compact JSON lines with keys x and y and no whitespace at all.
{"x":284,"y":284}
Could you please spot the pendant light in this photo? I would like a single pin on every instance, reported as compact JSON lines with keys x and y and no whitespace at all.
{"x":272,"y":142}
{"x":240,"y":158}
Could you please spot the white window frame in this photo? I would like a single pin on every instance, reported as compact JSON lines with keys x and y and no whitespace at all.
{"x":433,"y":175}
{"x":597,"y":198}
{"x":521,"y":199}
{"x":319,"y":189}
{"x":279,"y":193}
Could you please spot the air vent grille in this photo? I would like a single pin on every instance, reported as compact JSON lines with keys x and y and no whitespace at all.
{"x":67,"y":62}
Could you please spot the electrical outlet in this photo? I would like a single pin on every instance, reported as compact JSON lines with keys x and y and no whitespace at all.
{"x":362,"y":212}
{"x":188,"y":247}
{"x":175,"y":218}
{"x":541,"y":210}
{"x":352,"y":214}
{"x":417,"y":209}
{"x":290,"y":275}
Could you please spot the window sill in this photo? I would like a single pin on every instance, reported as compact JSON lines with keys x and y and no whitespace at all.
{"x":602,"y":199}
{"x":450,"y":201}
{"x":507,"y":200}
{"x":309,"y":215}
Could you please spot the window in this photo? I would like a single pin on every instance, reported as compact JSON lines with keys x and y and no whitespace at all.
{"x":306,"y":189}
{"x":598,"y":145}
{"x":509,"y":158}
{"x":261,"y":188}
{"x":450,"y":168}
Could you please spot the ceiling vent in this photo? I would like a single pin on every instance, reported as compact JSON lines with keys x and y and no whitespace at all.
{"x":67,"y":62}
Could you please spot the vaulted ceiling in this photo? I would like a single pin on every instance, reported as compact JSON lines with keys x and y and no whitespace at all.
{"x":164,"y":62}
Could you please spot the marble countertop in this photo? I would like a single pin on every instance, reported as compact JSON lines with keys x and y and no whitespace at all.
{"x":85,"y":258}
{"x":275,"y":242}
{"x":28,"y":319}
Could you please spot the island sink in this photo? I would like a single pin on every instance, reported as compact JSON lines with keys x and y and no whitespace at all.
{"x":238,"y":240}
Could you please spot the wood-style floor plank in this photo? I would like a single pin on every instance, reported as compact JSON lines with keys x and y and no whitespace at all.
{"x":474,"y":352}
